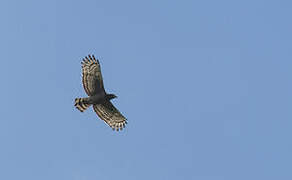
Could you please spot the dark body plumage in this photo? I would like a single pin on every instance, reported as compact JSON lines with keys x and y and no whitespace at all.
{"x":93,"y":86}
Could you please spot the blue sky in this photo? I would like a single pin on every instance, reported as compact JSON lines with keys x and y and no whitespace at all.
{"x":205,"y":85}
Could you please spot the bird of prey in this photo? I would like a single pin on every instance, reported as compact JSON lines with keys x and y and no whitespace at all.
{"x":98,"y":98}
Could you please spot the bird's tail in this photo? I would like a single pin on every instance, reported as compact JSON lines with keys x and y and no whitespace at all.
{"x":81,"y":104}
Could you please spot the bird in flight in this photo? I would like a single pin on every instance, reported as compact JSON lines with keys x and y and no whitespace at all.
{"x":98,"y":98}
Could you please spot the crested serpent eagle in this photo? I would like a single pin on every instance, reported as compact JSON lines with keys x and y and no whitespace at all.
{"x":98,"y":98}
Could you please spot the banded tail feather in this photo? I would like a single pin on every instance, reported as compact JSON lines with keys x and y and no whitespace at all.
{"x":81,"y":104}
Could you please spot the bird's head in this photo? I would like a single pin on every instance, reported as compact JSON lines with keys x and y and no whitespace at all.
{"x":110,"y":96}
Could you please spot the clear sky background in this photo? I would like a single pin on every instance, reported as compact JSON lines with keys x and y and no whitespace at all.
{"x":205,"y":85}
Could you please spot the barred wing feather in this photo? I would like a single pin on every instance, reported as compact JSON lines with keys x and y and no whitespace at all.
{"x":107,"y":112}
{"x":91,"y":76}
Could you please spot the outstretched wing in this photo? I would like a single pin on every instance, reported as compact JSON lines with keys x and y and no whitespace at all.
{"x":107,"y":112}
{"x":91,"y":76}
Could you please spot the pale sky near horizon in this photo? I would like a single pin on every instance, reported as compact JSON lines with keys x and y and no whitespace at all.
{"x":205,"y":86}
